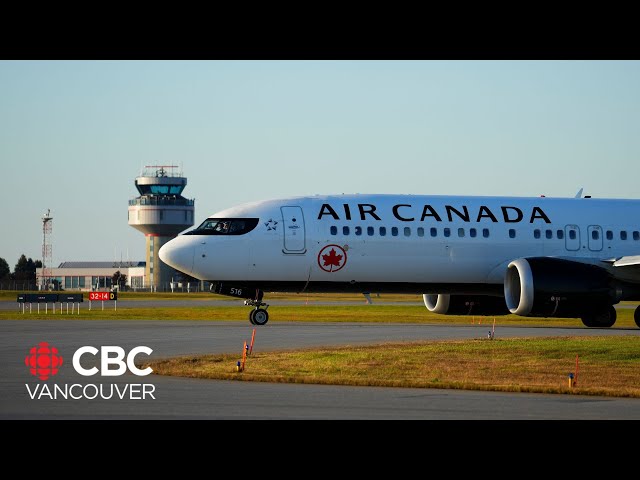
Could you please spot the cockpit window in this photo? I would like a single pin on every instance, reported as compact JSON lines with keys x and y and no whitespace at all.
{"x":225,"y":226}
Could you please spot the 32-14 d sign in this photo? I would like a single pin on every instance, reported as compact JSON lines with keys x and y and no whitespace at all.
{"x":103,"y":296}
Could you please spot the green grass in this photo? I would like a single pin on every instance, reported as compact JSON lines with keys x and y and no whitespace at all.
{"x":409,"y":309}
{"x":607,"y":365}
{"x":10,"y":295}
{"x":300,"y":313}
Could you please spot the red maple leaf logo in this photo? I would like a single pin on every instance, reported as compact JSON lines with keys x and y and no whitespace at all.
{"x":332,"y":259}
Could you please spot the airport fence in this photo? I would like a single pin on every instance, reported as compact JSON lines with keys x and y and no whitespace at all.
{"x":26,"y":286}
{"x":191,"y":287}
{"x":184,"y":287}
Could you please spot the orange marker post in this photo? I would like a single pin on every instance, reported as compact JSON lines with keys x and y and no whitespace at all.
{"x":244,"y":355}
{"x":253,"y":336}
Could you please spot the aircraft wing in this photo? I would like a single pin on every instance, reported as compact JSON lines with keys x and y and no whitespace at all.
{"x":626,"y":268}
{"x":627,"y":261}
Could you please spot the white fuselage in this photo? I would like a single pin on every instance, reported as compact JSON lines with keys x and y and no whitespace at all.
{"x":409,"y":243}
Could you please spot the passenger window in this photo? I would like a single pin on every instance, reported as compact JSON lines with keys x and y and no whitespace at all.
{"x":548,"y":233}
{"x":485,"y":232}
{"x":434,"y":232}
{"x":609,"y":235}
{"x":334,"y":230}
{"x":623,"y":235}
{"x":560,"y":234}
{"x":536,"y":233}
{"x":461,"y":232}
{"x":420,"y":232}
{"x":472,"y":232}
{"x":447,"y":232}
{"x":407,"y":232}
{"x":345,"y":230}
{"x":636,"y":235}
{"x":512,"y":233}
{"x":572,"y":234}
{"x":358,"y":231}
{"x":595,"y":234}
{"x":394,"y":231}
{"x":370,"y":231}
{"x":383,"y":231}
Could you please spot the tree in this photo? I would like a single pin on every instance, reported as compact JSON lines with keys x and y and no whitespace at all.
{"x":22,"y":271}
{"x":5,"y":272}
{"x":25,"y":269}
{"x":57,"y":285}
{"x":119,"y":279}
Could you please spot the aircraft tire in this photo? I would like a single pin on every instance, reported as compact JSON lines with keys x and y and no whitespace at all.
{"x":260,"y":316}
{"x":251,"y":314}
{"x":636,"y":315}
{"x":604,"y":318}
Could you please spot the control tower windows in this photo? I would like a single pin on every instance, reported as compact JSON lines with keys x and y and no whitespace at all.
{"x":160,"y":189}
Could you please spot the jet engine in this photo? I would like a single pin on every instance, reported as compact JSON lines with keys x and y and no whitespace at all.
{"x":446,"y":304}
{"x":553,"y":287}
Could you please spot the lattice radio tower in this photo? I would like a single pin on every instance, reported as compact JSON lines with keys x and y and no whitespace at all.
{"x":47,"y":258}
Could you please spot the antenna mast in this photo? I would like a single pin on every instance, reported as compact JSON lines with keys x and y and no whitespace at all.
{"x":47,"y":258}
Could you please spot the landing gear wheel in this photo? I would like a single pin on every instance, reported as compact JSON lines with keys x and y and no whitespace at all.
{"x":260,"y":316}
{"x":604,"y":318}
{"x":257,"y":316}
{"x":636,"y":315}
{"x":587,"y":320}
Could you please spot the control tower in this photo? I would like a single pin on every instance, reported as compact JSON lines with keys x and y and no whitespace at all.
{"x":160,"y":212}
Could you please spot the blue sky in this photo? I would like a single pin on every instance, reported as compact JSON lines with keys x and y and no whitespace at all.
{"x":74,"y":135}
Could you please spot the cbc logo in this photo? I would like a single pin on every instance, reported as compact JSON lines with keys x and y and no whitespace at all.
{"x":44,"y":361}
{"x":107,"y":359}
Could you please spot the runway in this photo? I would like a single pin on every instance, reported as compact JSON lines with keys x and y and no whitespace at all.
{"x":183,"y":398}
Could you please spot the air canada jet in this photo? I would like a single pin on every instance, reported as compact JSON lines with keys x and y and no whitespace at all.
{"x":534,"y":257}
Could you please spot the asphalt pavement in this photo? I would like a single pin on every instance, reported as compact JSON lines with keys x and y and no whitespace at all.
{"x":184,"y":398}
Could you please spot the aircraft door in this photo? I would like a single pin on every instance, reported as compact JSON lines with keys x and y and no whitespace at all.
{"x":572,"y":237}
{"x":595,"y":237}
{"x":294,"y":231}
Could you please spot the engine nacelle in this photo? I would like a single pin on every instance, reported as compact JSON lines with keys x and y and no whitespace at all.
{"x":552,"y":287}
{"x":446,"y":304}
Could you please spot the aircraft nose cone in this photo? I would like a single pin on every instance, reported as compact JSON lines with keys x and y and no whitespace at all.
{"x":178,"y":253}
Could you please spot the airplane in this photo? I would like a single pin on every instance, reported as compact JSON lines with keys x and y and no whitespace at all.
{"x":467,"y":255}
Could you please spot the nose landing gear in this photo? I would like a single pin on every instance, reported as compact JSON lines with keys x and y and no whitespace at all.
{"x":258,"y":316}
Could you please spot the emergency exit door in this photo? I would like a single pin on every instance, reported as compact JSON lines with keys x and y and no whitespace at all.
{"x":595,"y":238}
{"x":572,"y":237}
{"x":294,"y":232}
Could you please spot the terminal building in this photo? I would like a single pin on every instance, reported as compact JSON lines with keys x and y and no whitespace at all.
{"x":161,"y":213}
{"x":96,"y":276}
{"x":89,"y":276}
